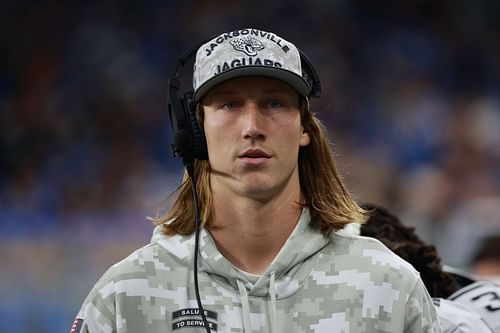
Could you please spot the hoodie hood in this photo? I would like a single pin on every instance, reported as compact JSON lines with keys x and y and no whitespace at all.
{"x":288,"y":270}
{"x":285,"y":275}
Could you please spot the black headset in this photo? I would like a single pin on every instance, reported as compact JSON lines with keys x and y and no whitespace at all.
{"x":189,"y":137}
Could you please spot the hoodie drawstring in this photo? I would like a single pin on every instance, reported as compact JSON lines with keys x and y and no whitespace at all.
{"x":272,"y":291}
{"x":246,"y":307}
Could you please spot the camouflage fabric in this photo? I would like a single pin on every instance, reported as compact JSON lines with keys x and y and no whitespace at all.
{"x":247,"y":52}
{"x":316,"y":284}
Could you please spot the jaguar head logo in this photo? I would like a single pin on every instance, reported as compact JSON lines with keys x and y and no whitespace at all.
{"x":248,"y":45}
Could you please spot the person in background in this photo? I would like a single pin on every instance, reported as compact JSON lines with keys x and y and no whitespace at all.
{"x":402,"y":239}
{"x":485,"y":262}
{"x":483,"y":293}
{"x":457,"y":312}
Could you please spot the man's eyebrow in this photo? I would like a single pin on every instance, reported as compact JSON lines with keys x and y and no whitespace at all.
{"x":223,"y":93}
{"x":218,"y":94}
{"x":278,"y":91}
{"x":229,"y":91}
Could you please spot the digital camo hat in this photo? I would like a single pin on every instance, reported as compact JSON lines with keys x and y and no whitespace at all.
{"x":247,"y":52}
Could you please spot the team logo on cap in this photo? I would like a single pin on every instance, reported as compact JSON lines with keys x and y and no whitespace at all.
{"x":248,"y":45}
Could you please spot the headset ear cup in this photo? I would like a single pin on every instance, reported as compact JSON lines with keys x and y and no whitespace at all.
{"x":199,"y":141}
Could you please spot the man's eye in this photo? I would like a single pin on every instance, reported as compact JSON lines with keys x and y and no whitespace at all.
{"x":229,"y":106}
{"x":275,"y":104}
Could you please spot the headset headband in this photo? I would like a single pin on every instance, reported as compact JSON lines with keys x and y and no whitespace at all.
{"x":189,"y":138}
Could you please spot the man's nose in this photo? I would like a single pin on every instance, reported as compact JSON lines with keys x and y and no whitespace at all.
{"x":253,"y":122}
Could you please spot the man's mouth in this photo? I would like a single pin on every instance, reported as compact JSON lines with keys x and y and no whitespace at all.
{"x":254,"y":153}
{"x":254,"y":157}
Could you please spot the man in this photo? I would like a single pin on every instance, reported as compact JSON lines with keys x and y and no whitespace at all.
{"x":482,"y":293}
{"x":485,"y":262}
{"x":483,"y":297}
{"x":460,"y":310}
{"x":271,"y":203}
{"x":403,"y":240}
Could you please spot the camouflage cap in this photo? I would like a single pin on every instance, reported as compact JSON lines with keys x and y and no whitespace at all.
{"x":247,"y":52}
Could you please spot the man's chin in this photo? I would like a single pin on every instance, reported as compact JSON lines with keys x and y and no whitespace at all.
{"x":260,"y":189}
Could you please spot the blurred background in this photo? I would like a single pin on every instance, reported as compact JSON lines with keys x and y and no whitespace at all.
{"x":411,"y":97}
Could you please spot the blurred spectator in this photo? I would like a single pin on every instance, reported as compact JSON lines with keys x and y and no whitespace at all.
{"x":485,"y":261}
{"x":460,"y":233}
{"x":443,"y":285}
{"x":411,"y":95}
{"x":403,"y":241}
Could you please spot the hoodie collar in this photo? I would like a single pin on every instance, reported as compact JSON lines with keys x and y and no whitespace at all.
{"x":287,"y":271}
{"x":284,"y":276}
{"x":289,"y":268}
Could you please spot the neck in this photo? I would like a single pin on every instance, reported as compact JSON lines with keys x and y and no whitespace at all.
{"x":250,"y":233}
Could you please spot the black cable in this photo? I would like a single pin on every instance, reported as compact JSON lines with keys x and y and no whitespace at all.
{"x":190,"y":170}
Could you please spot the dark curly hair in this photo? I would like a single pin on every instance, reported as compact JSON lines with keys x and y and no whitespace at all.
{"x":403,"y":241}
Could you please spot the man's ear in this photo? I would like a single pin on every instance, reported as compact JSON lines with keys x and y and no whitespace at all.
{"x":304,"y":139}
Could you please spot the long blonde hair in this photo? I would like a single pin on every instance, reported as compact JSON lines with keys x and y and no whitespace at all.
{"x":330,"y":204}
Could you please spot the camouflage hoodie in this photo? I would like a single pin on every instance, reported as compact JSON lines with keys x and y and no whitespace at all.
{"x":342,"y":283}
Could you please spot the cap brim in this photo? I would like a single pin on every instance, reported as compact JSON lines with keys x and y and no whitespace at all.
{"x":284,"y":75}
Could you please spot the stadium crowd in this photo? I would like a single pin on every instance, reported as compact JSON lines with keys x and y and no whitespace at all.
{"x":411,"y":95}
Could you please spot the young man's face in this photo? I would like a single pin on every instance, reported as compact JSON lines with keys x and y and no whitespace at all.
{"x":253,"y":131}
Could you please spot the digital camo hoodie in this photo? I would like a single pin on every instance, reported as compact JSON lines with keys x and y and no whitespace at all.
{"x":341,"y":283}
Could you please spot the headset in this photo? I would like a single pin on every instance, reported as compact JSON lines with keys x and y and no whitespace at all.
{"x":189,"y":138}
{"x":190,"y":143}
